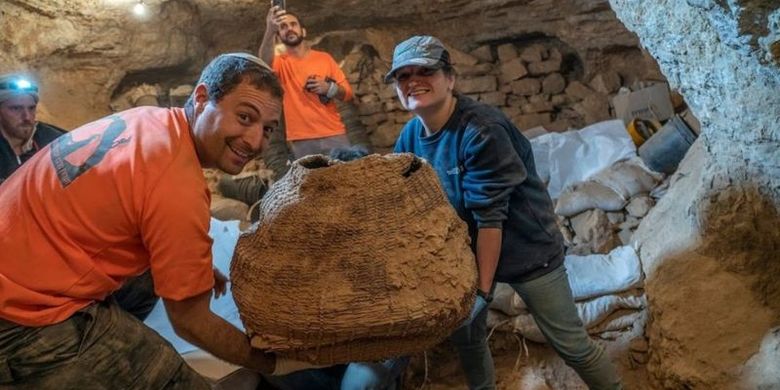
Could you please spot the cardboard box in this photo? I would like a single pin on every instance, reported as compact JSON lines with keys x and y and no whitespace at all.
{"x":690,"y":120}
{"x":649,"y":103}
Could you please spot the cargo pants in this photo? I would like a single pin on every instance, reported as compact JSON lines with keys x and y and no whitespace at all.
{"x":101,"y":346}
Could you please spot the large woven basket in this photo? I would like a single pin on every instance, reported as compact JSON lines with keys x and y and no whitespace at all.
{"x":354,"y":261}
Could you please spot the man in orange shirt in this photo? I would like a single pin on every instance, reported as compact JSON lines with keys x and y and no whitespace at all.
{"x":108,"y":201}
{"x":311,"y":80}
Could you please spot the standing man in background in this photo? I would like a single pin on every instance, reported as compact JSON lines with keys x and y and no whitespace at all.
{"x":311,"y":80}
{"x":22,"y":135}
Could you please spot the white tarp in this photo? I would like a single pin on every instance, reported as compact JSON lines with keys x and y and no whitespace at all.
{"x":563,"y":159}
{"x":225,"y":235}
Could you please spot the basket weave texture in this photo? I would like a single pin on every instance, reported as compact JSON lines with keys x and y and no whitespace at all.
{"x":354,"y":261}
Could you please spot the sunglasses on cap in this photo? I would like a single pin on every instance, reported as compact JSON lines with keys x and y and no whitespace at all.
{"x":20,"y":85}
{"x":405,"y":74}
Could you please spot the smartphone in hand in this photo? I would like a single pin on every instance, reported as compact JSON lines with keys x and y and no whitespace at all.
{"x":279,"y":3}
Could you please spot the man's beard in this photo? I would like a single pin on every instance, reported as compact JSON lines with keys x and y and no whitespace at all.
{"x":25,"y":130}
{"x":21,"y":130}
{"x":292,"y":42}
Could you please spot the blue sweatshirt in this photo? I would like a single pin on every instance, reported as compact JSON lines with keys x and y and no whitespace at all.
{"x":487,"y":169}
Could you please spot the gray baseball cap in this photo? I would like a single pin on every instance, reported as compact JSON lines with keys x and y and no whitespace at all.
{"x":420,"y":50}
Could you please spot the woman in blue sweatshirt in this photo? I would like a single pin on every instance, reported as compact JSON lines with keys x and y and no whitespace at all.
{"x":487,"y":170}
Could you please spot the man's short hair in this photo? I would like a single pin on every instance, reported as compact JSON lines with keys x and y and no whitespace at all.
{"x":224,"y":73}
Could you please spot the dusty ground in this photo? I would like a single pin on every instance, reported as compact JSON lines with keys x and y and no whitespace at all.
{"x":526,"y":366}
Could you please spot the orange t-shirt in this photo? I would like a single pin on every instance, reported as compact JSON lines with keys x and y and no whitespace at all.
{"x":305,"y":117}
{"x":98,"y":205}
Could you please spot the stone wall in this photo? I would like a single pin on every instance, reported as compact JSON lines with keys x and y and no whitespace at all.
{"x":535,"y":82}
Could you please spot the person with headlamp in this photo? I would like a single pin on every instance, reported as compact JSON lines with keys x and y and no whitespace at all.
{"x":22,"y":134}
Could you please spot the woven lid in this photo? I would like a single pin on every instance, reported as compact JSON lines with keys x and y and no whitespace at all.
{"x":354,"y":261}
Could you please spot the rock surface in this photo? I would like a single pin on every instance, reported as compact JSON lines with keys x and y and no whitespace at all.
{"x":717,"y":224}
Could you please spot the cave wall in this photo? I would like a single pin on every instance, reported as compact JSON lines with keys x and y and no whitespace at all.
{"x":710,"y":247}
{"x":81,"y":51}
{"x":86,"y":52}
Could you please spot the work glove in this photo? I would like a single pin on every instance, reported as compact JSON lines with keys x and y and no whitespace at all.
{"x":286,"y":366}
{"x":481,"y":303}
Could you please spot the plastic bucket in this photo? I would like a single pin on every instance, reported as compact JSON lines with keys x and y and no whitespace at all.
{"x":666,"y":148}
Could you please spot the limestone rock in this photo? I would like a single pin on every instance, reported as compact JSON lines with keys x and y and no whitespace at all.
{"x":531,"y":120}
{"x":506,"y":52}
{"x":534,"y":53}
{"x":484,"y":53}
{"x":578,"y":90}
{"x":385,"y":135}
{"x":526,"y":87}
{"x":495,"y":99}
{"x":536,"y":107}
{"x":477,"y":84}
{"x":606,"y":82}
{"x":639,"y":206}
{"x":513,"y":70}
{"x":480,"y":69}
{"x":553,"y":84}
{"x":460,"y":58}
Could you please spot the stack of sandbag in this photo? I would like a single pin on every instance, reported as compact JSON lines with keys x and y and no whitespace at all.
{"x":606,"y":289}
{"x":354,"y":261}
{"x":601,"y":213}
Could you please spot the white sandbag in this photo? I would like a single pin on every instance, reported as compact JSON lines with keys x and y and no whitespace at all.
{"x":525,"y":325}
{"x":498,"y":321}
{"x":563,"y":159}
{"x":506,"y":300}
{"x":592,"y":313}
{"x":588,"y":195}
{"x":589,"y":276}
{"x":597,"y":275}
{"x":628,"y":177}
